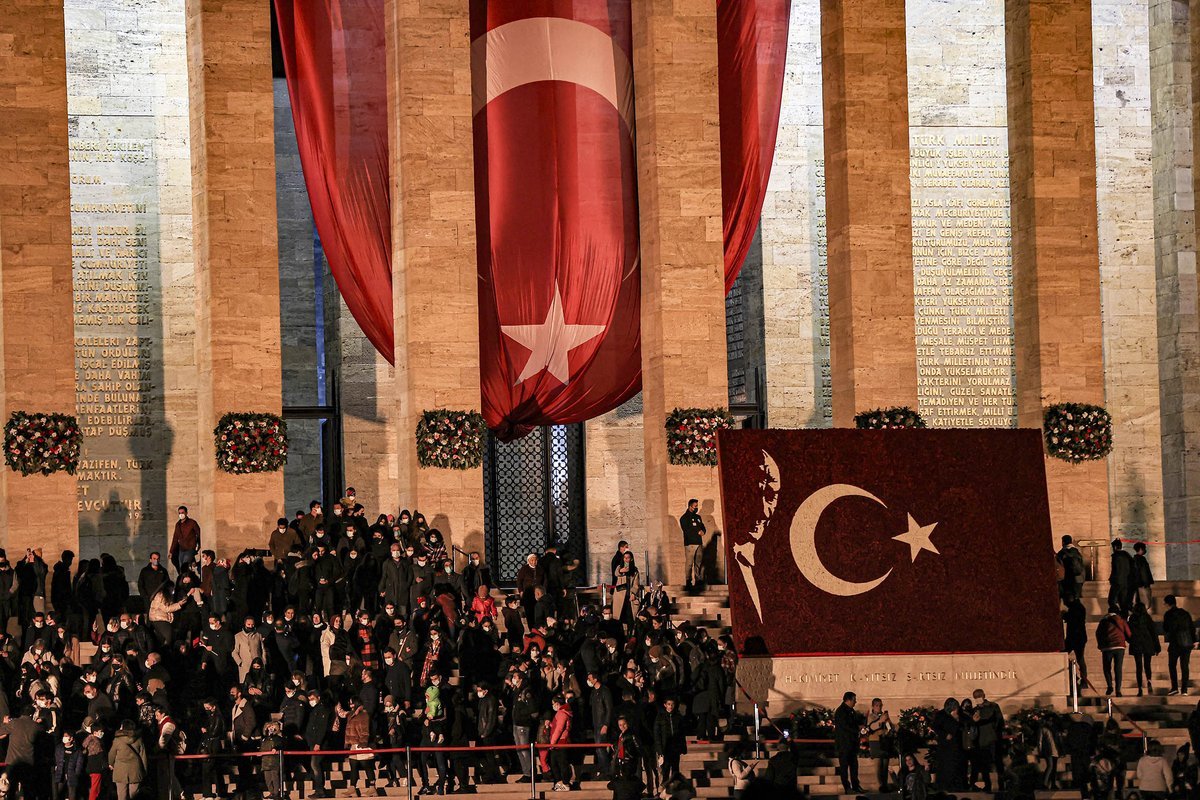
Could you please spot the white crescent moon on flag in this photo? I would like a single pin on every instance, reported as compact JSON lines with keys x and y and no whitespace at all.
{"x":804,"y":541}
{"x":552,"y":49}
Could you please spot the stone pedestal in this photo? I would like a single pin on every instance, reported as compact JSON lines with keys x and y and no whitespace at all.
{"x":37,"y":348}
{"x":435,"y":281}
{"x":236,"y":257}
{"x":683,"y":289}
{"x":1056,"y":275}
{"x":872,"y":334}
{"x":1014,"y":680}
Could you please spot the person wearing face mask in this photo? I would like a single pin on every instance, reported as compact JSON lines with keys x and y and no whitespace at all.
{"x":514,"y":625}
{"x":422,"y":585}
{"x":316,"y":731}
{"x":247,"y":646}
{"x":396,"y":578}
{"x":432,"y":660}
{"x":487,"y":719}
{"x":405,"y":642}
{"x":397,"y":677}
{"x":283,"y":539}
{"x":482,"y":605}
{"x":600,"y":701}
{"x":310,"y":521}
{"x":185,"y":541}
{"x":476,"y":574}
{"x":448,"y":592}
{"x":68,"y":767}
{"x":335,"y":526}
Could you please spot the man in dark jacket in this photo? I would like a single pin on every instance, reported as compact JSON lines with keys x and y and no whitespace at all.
{"x":693,"y":544}
{"x":1071,"y":584}
{"x":60,"y":585}
{"x":396,"y":577}
{"x":990,"y":721}
{"x":847,"y":724}
{"x":1143,"y":578}
{"x":152,"y":576}
{"x":185,"y":541}
{"x":1179,"y":632}
{"x":524,"y":717}
{"x":23,"y":734}
{"x":601,"y":702}
{"x":1121,"y":579}
{"x":487,"y":725}
{"x":315,"y":731}
{"x":669,"y":741}
{"x":1080,"y":745}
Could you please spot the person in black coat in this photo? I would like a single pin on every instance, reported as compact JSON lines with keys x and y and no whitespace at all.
{"x":1143,"y":577}
{"x":669,"y":741}
{"x":1076,"y":638}
{"x":950,"y":757}
{"x":600,"y":701}
{"x":1121,"y":580}
{"x":316,"y":729}
{"x":1080,"y":744}
{"x":1143,"y":644}
{"x":847,"y":725}
{"x":1179,"y":631}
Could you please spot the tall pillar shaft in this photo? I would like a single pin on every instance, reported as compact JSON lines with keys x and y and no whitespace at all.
{"x":683,"y":291}
{"x":872,"y":332}
{"x":873,"y":340}
{"x":236,"y":256}
{"x":1056,"y":272}
{"x":436,"y":283}
{"x":37,"y":339}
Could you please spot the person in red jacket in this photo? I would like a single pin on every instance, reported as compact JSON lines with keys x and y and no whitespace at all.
{"x":185,"y":542}
{"x":1112,"y":635}
{"x":556,"y":761}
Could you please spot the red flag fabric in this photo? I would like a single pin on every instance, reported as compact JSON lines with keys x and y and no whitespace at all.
{"x":752,"y":58}
{"x":334,"y":53}
{"x":556,"y":211}
{"x":911,"y":541}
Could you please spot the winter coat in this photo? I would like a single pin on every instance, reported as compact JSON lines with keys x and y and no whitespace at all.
{"x":247,"y":646}
{"x":1112,"y":633}
{"x":358,"y":729}
{"x":1144,"y":640}
{"x":127,"y":757}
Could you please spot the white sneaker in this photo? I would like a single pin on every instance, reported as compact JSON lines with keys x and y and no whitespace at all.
{"x":561,"y":787}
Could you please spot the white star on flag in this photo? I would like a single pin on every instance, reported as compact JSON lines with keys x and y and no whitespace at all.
{"x":917,"y":537}
{"x":550,"y":342}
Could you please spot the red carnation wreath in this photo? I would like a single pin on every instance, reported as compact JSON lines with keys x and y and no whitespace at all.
{"x":42,"y":443}
{"x":248,"y":442}
{"x":692,"y":435}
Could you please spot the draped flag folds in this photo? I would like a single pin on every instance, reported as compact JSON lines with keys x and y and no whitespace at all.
{"x":556,"y":211}
{"x":334,"y":53}
{"x":752,"y":57}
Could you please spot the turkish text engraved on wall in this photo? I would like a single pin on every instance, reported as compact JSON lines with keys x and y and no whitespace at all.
{"x":962,"y":268}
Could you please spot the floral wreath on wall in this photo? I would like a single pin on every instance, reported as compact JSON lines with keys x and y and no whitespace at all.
{"x":42,"y":443}
{"x":251,"y":442}
{"x":893,"y":418}
{"x":692,"y":435}
{"x":916,"y":726}
{"x":450,"y":439}
{"x":1077,"y":432}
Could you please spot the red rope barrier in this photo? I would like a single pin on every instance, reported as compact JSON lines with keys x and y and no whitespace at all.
{"x":391,"y":750}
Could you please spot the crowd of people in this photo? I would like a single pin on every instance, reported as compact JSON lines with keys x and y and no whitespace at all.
{"x":343,"y":634}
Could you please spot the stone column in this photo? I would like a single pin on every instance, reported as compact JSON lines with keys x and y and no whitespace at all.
{"x":435,"y":281}
{"x":37,"y":334}
{"x":237,"y":256}
{"x":1056,"y":261}
{"x":872,"y":335}
{"x":683,"y":307}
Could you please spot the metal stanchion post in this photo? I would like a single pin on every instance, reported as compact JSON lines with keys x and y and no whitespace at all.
{"x":533,"y":767}
{"x":757,"y":732}
{"x":408,"y":769}
{"x":282,"y":774}
{"x":1074,"y":686}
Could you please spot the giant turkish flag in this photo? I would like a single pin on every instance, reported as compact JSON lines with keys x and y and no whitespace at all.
{"x":556,"y":211}
{"x":901,"y":541}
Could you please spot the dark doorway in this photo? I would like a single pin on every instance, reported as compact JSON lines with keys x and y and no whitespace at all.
{"x":534,"y":494}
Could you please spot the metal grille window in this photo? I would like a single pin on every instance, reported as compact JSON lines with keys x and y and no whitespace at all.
{"x":533,"y":490}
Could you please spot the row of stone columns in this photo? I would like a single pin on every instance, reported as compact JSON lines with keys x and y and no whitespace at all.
{"x":869,"y":229}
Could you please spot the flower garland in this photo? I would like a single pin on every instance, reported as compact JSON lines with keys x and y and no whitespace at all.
{"x":42,"y":443}
{"x":249,"y":442}
{"x":916,"y":727}
{"x":1077,"y":432}
{"x":692,"y":435}
{"x":450,"y":439}
{"x":811,"y":723}
{"x":893,"y":418}
{"x":1028,"y":722}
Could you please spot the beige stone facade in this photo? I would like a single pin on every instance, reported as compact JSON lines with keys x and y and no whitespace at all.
{"x":1093,"y":102}
{"x":37,"y":369}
